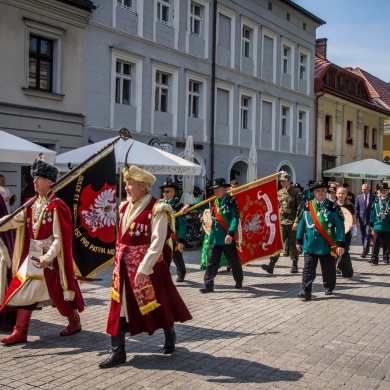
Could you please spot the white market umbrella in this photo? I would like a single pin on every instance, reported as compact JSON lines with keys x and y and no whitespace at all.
{"x":16,"y":150}
{"x":252,"y":166}
{"x":369,"y":169}
{"x":188,"y":180}
{"x":147,"y":157}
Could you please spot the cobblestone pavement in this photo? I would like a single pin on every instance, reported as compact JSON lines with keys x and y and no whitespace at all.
{"x":261,"y":336}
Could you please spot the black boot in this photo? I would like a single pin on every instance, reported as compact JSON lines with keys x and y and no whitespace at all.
{"x":118,"y":351}
{"x":294,"y":267}
{"x":170,"y":340}
{"x":269,"y":267}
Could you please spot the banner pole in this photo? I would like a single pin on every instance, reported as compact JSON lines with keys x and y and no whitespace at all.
{"x":233,"y":191}
{"x":123,"y":134}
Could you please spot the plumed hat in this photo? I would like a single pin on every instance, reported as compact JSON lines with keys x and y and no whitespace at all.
{"x":139,"y":175}
{"x":169,"y":184}
{"x":382,"y":186}
{"x":318,"y":184}
{"x":43,"y":169}
{"x":219,"y":183}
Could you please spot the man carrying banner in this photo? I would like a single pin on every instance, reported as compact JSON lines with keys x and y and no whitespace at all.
{"x":42,"y":259}
{"x":225,"y":220}
{"x":290,"y":204}
{"x":321,"y":235}
{"x":168,"y":192}
{"x":143,"y":296}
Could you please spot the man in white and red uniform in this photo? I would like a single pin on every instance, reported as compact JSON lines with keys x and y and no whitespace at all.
{"x":44,"y":233}
{"x":143,"y":296}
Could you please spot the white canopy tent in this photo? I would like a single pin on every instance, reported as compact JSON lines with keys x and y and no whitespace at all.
{"x":16,"y":150}
{"x":153,"y":160}
{"x":369,"y":169}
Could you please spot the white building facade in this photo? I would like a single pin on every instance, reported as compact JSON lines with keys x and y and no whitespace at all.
{"x":230,"y":73}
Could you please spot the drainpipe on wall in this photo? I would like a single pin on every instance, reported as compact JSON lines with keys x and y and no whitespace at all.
{"x":212,"y":119}
{"x":315,"y":134}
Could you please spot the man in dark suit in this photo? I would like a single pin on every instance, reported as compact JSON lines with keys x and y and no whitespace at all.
{"x":363,"y":205}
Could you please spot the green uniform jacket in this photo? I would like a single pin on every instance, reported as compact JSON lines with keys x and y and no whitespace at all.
{"x":290,"y":204}
{"x":181,"y":227}
{"x":228,"y":208}
{"x":380,"y":207}
{"x":309,"y":236}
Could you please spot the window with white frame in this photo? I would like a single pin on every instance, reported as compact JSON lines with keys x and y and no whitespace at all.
{"x":302,"y":66}
{"x":193,"y":99}
{"x":301,"y":124}
{"x":163,"y":11}
{"x":123,"y":83}
{"x":246,"y":41}
{"x":245,"y":112}
{"x":285,"y":120}
{"x":286,"y":59}
{"x":40,"y":68}
{"x":162,"y":92}
{"x":196,"y":19}
{"x":127,"y":4}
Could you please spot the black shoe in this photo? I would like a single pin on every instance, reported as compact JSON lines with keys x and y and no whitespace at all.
{"x":363,"y":255}
{"x":293,"y":270}
{"x":206,"y":290}
{"x":304,"y":296}
{"x":267,"y":268}
{"x":180,"y":279}
{"x":338,"y":271}
{"x":170,"y":340}
{"x":328,"y":292}
{"x":118,"y":356}
{"x":238,"y":285}
{"x":228,"y":269}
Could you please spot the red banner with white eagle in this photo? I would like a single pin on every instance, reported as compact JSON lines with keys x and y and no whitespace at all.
{"x":91,"y":196}
{"x":260,"y":232}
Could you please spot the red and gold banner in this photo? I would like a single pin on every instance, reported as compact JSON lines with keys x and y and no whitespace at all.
{"x":261,"y":235}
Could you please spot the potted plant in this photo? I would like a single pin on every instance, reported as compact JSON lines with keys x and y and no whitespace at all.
{"x":349,"y":140}
{"x":328,"y":135}
{"x":373,"y":145}
{"x":365,"y":143}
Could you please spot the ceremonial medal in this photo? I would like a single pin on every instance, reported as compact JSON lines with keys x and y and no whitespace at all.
{"x":146,"y":230}
{"x":137,"y":233}
{"x":132,"y":229}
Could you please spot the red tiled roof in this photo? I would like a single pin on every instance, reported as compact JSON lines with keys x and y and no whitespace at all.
{"x":378,"y":89}
{"x":321,"y":66}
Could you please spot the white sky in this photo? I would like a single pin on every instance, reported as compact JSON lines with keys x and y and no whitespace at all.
{"x":358,"y":33}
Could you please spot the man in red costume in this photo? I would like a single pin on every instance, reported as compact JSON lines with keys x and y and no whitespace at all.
{"x":42,"y":261}
{"x":143,"y":296}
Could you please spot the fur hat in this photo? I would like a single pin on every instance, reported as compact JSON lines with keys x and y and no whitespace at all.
{"x":139,"y":175}
{"x":43,"y":169}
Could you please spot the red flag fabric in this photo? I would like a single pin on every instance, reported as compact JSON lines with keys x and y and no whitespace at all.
{"x":260,"y":232}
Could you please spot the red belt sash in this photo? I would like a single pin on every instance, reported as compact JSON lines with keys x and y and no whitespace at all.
{"x":321,"y":226}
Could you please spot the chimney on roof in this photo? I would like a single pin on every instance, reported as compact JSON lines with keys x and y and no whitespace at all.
{"x":321,"y":45}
